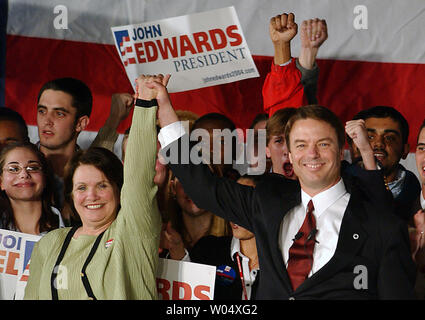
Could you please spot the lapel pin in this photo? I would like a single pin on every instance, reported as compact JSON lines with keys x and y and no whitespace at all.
{"x":109,"y":243}
{"x":355,"y":236}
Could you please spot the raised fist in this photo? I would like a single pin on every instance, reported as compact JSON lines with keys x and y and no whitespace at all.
{"x":283,"y":28}
{"x":121,"y":105}
{"x":356,"y":130}
{"x":313,"y":33}
{"x":172,"y":240}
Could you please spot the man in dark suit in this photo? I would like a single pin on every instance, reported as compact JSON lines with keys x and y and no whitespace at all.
{"x":348,"y":245}
{"x":417,"y":235}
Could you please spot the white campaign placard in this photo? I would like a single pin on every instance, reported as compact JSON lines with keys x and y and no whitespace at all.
{"x":176,"y":280}
{"x":15,"y":253}
{"x":198,"y":50}
{"x":179,"y":280}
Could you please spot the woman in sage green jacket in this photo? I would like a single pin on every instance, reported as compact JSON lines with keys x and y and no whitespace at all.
{"x":114,"y":253}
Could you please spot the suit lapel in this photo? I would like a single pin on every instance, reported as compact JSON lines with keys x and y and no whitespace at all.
{"x":287,"y":203}
{"x":351,"y":238}
{"x":417,"y":204}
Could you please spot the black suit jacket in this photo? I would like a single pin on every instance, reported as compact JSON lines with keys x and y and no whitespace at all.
{"x":416,"y":205}
{"x":371,"y":237}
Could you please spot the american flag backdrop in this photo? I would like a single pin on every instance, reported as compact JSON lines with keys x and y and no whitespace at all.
{"x":380,"y":62}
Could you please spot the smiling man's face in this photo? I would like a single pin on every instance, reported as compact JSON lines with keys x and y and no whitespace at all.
{"x":315,"y":155}
{"x":387,"y":143}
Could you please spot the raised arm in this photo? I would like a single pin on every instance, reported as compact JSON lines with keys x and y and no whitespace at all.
{"x":282,"y":87}
{"x":293,"y":83}
{"x":356,"y":130}
{"x":314,"y":33}
{"x":121,"y":105}
{"x":221,"y":196}
{"x":139,"y":207}
{"x":282,"y":29}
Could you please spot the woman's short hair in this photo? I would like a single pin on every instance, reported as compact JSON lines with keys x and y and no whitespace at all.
{"x":102,"y":159}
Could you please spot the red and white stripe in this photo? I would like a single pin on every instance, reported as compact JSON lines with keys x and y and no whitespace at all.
{"x":383,"y":65}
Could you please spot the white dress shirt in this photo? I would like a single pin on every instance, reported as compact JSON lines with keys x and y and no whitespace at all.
{"x":170,"y":133}
{"x":329,"y":205}
{"x":248,"y":276}
{"x":329,"y":208}
{"x":422,"y":201}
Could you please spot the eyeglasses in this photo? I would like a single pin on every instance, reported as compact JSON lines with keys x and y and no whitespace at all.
{"x":15,"y":169}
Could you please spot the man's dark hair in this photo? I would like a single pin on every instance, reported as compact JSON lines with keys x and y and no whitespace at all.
{"x":7,"y":114}
{"x":221,"y":119}
{"x":320,"y":113}
{"x":82,"y":98}
{"x":386,"y":112}
{"x":258,"y":118}
{"x":277,"y":122}
{"x":420,"y":129}
{"x":214,"y":117}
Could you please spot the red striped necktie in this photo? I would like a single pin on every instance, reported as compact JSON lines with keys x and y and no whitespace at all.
{"x":301,"y":252}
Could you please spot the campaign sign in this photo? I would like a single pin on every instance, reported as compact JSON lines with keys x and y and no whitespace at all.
{"x":15,"y":253}
{"x":198,"y":50}
{"x":176,"y":280}
{"x":179,"y":280}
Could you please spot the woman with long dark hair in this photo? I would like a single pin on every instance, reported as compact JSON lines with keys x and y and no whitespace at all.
{"x":26,"y":195}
